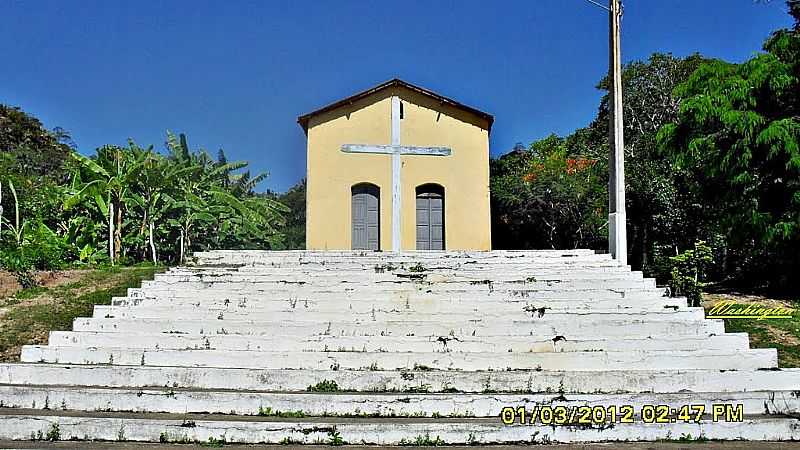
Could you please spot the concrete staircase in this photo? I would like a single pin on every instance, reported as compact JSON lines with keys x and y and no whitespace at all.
{"x":411,"y":348}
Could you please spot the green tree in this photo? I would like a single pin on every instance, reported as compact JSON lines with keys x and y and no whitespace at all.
{"x":662,"y":209}
{"x":738,"y":129}
{"x":295,"y":229}
{"x":107,"y":180}
{"x":34,"y":149}
{"x":547,"y":197}
{"x":213,"y":202}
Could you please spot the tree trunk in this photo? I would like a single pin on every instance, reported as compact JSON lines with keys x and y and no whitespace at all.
{"x":180,"y":261}
{"x":1,"y":208}
{"x":118,"y":230}
{"x":645,"y":247}
{"x":153,"y":245}
{"x":111,"y":232}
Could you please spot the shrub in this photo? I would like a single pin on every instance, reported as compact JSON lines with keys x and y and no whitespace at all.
{"x":688,"y":272}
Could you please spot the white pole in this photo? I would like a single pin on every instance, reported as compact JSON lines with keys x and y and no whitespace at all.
{"x":617,"y":233}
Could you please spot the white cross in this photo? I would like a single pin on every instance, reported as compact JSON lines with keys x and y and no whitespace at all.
{"x":395,"y":149}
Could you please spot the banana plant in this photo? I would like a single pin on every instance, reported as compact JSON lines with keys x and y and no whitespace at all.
{"x":17,"y":229}
{"x":107,"y":180}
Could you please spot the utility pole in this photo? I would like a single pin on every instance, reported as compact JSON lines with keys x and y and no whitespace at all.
{"x":617,"y":233}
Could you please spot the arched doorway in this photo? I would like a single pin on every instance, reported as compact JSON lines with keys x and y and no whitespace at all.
{"x":430,"y":217}
{"x":366,"y":217}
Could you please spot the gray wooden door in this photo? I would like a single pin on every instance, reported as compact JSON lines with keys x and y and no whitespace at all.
{"x":366,"y":217}
{"x":430,"y":219}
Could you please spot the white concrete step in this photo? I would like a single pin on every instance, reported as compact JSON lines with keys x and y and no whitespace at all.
{"x":543,"y":381}
{"x":542,"y":327}
{"x":510,"y":305}
{"x":217,"y":256}
{"x":23,"y":424}
{"x":379,"y":265}
{"x":462,"y":361}
{"x":474,"y":285}
{"x":431,"y":253}
{"x":499,"y":273}
{"x":382,"y":315}
{"x":180,"y":401}
{"x":412,"y":295}
{"x":403,"y":256}
{"x":524,"y":270}
{"x":728,"y":341}
{"x":312,"y":292}
{"x":416,"y":302}
{"x":438,"y":278}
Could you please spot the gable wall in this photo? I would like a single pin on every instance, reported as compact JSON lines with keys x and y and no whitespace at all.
{"x":331,"y":173}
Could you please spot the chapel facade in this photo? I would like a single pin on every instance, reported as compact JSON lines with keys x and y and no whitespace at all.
{"x":397,"y":167}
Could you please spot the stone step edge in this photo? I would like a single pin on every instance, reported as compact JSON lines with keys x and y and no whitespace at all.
{"x":556,"y":396}
{"x":154,"y":427}
{"x":360,"y":404}
{"x":479,"y":381}
{"x":433,"y":339}
{"x":455,"y":361}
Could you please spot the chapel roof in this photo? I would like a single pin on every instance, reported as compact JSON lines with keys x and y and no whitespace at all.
{"x":303,"y":120}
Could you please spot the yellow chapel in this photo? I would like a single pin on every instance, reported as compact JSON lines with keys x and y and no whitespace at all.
{"x":395,"y":168}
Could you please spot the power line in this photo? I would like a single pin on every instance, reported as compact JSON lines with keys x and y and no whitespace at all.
{"x":598,"y":4}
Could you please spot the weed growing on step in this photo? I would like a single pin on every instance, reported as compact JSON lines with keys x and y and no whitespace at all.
{"x":166,"y":438}
{"x":423,"y":441}
{"x":54,"y":434}
{"x":324,"y":386}
{"x":385,"y":268}
{"x":688,"y":438}
{"x":214,"y":442}
{"x":420,"y":389}
{"x":334,"y":438}
{"x":417,"y":268}
{"x":268,"y":412}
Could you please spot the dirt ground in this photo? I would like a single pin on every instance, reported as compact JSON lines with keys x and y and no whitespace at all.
{"x":9,"y":286}
{"x":27,"y":316}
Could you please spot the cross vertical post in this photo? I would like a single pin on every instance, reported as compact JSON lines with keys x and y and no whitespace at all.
{"x":396,"y":184}
{"x":617,"y":233}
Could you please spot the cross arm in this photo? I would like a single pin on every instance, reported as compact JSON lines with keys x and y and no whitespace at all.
{"x":396,"y":149}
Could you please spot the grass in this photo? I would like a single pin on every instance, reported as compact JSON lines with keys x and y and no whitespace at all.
{"x":33,"y":312}
{"x":782,"y":334}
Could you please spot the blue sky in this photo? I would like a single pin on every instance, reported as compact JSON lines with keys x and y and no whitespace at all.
{"x":236,"y":74}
